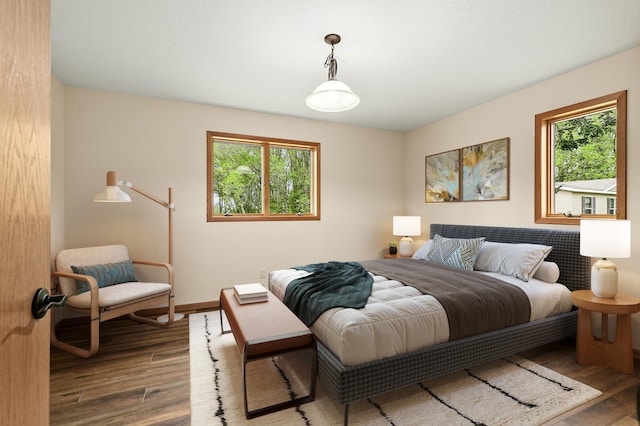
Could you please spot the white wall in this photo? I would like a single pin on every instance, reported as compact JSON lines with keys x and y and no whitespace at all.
{"x":513,"y":116}
{"x":158,"y":143}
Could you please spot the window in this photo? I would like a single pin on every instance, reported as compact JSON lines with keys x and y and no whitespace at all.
{"x":588,"y":205}
{"x":581,"y":148}
{"x":257,"y":178}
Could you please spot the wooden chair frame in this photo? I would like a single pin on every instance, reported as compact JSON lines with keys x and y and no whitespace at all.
{"x":98,"y":314}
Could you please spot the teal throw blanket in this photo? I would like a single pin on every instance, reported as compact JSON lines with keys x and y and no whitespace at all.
{"x":330,"y":285}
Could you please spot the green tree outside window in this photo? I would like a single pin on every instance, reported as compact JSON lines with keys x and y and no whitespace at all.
{"x":240,"y":187}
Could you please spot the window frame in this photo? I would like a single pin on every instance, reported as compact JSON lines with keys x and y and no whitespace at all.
{"x":265,"y":143}
{"x":544,"y":167}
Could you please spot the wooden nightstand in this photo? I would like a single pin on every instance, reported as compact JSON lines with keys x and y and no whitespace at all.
{"x":617,"y":354}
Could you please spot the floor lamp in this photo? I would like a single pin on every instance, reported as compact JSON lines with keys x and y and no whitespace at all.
{"x":113,"y":194}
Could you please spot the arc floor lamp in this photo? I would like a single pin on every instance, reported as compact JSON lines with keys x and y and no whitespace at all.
{"x":113,"y":194}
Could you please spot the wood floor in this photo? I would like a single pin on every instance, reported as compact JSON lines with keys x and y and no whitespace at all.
{"x":140,"y":376}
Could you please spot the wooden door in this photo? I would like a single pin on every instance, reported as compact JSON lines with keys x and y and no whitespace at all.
{"x":25,"y":162}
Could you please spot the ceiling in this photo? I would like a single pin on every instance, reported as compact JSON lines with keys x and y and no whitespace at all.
{"x":411,"y":62}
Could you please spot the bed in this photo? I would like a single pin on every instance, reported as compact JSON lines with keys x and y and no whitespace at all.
{"x":351,"y":379}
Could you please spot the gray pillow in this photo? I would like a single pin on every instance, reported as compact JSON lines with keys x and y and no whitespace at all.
{"x":421,"y":253}
{"x":516,"y":260}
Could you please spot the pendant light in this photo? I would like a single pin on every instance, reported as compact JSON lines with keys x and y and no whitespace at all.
{"x":332,"y":95}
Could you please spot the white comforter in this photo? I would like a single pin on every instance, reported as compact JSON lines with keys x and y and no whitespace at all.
{"x":399,"y":319}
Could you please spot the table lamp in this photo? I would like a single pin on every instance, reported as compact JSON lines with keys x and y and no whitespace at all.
{"x":605,"y":238}
{"x":406,"y":226}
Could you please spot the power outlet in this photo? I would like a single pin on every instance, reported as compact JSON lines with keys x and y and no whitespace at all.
{"x":262,"y":273}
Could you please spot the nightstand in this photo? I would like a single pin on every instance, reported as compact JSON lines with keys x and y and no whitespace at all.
{"x":391,"y":256}
{"x":617,"y":354}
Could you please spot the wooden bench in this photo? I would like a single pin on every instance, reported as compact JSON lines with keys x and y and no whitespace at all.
{"x":266,"y":329}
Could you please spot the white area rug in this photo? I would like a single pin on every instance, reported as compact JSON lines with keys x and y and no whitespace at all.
{"x":511,"y":391}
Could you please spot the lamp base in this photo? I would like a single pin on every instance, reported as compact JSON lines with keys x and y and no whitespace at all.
{"x":604,"y":279}
{"x":405,"y":247}
{"x":165,"y":317}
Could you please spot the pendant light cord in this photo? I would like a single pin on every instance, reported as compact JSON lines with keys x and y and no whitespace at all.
{"x":332,"y":64}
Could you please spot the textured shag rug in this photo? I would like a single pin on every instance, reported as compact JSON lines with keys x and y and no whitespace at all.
{"x":503,"y":392}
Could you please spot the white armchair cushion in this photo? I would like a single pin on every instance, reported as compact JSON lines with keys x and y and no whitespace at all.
{"x":119,"y":293}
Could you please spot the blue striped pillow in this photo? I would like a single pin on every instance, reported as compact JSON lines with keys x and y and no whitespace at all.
{"x":455,"y":252}
{"x":106,"y":274}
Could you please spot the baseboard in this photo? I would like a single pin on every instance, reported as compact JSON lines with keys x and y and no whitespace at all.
{"x":189,"y":308}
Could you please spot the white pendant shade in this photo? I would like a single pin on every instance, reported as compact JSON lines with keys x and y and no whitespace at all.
{"x":332,"y":96}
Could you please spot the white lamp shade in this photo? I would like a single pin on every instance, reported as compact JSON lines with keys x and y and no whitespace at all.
{"x":332,"y":96}
{"x":605,"y":238}
{"x":406,"y":225}
{"x":111,"y":194}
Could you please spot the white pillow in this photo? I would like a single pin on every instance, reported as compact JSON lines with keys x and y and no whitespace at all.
{"x":517,"y":260}
{"x":548,"y":272}
{"x":421,"y":253}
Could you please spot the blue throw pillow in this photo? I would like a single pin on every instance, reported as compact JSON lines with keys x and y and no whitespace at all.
{"x":106,"y":274}
{"x":455,"y":252}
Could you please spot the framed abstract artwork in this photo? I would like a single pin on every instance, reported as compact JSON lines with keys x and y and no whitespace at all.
{"x":442,"y":177}
{"x":485,"y":171}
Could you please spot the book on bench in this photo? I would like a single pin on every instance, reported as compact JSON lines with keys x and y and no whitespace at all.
{"x":250,"y":293}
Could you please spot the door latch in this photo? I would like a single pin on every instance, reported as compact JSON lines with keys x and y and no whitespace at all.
{"x":42,"y":302}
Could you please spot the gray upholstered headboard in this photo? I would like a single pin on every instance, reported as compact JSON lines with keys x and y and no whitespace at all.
{"x":575,"y":269}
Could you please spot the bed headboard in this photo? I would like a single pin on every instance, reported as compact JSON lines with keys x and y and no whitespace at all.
{"x":575,"y":269}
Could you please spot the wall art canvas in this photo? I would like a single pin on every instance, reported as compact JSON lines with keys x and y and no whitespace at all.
{"x":485,"y":171}
{"x":442,"y":177}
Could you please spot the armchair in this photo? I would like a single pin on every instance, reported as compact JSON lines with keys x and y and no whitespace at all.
{"x":99,"y":281}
